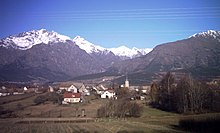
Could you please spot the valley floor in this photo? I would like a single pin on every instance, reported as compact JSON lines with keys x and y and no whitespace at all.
{"x":154,"y":122}
{"x":53,"y":118}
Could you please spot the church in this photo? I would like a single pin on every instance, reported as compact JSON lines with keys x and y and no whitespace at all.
{"x":126,"y":84}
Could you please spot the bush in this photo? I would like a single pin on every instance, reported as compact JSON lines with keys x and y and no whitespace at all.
{"x":20,"y":106}
{"x":135,"y":110}
{"x":55,"y":98}
{"x":120,"y":108}
{"x":40,"y":99}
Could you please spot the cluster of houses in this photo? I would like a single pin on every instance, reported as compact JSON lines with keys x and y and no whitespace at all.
{"x":4,"y":91}
{"x":13,"y":90}
{"x":75,"y":93}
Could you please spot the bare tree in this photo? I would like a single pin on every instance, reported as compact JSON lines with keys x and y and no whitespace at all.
{"x":154,"y":93}
{"x":120,"y":108}
{"x":165,"y":92}
{"x":191,"y":95}
{"x":182,"y":105}
{"x":197,"y":96}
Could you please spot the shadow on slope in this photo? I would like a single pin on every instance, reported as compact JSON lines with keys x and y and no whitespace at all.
{"x":204,"y":125}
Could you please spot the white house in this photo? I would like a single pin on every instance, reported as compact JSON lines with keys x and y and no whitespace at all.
{"x":69,"y":97}
{"x":25,"y":88}
{"x":102,"y":87}
{"x":4,"y":94}
{"x":146,"y":89}
{"x":143,"y":89}
{"x":71,"y":88}
{"x":84,"y":91}
{"x":98,"y":90}
{"x":18,"y":93}
{"x":4,"y":91}
{"x":108,"y":94}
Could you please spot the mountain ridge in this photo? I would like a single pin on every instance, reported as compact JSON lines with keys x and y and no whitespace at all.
{"x":64,"y":60}
{"x":27,"y":40}
{"x":197,"y":54}
{"x":121,"y":51}
{"x":56,"y":62}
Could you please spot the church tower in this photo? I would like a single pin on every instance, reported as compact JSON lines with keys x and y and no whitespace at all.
{"x":126,"y":82}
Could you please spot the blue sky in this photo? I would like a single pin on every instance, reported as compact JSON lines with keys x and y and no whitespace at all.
{"x":111,"y":23}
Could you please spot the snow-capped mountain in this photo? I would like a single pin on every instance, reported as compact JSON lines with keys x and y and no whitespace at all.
{"x":212,"y":34}
{"x":26,"y":40}
{"x":88,"y":46}
{"x":48,"y":56}
{"x":198,"y":55}
{"x":131,"y":53}
{"x":121,"y":51}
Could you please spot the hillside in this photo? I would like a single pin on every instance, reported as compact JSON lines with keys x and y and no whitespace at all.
{"x":58,"y":61}
{"x":41,"y":55}
{"x":48,"y":56}
{"x":198,"y":54}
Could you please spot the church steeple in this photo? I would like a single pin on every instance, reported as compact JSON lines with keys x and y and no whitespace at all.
{"x":126,"y":82}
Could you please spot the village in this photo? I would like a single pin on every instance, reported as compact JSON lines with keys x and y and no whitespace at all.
{"x":76,"y":92}
{"x":101,"y":103}
{"x":66,"y":99}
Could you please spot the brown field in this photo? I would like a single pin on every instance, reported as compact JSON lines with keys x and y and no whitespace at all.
{"x":11,"y":98}
{"x":53,"y":118}
{"x":25,"y":100}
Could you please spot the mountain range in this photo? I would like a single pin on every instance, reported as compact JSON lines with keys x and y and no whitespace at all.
{"x":27,"y":40}
{"x":198,"y":55}
{"x":40,"y":55}
{"x":44,"y":55}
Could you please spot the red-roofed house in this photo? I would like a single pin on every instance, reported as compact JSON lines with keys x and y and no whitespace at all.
{"x":69,"y":97}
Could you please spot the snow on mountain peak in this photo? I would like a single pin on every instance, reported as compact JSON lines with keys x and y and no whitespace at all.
{"x":131,"y":53}
{"x":122,"y":51}
{"x":87,"y":46}
{"x":28,"y":39}
{"x":210,"y":33}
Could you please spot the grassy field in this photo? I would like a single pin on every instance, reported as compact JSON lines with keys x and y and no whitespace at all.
{"x":151,"y":121}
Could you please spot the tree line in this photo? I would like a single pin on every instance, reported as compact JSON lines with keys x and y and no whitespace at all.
{"x":53,"y":97}
{"x":185,"y":96}
{"x":120,"y":108}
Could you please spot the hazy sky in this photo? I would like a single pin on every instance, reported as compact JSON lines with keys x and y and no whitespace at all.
{"x":111,"y":23}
